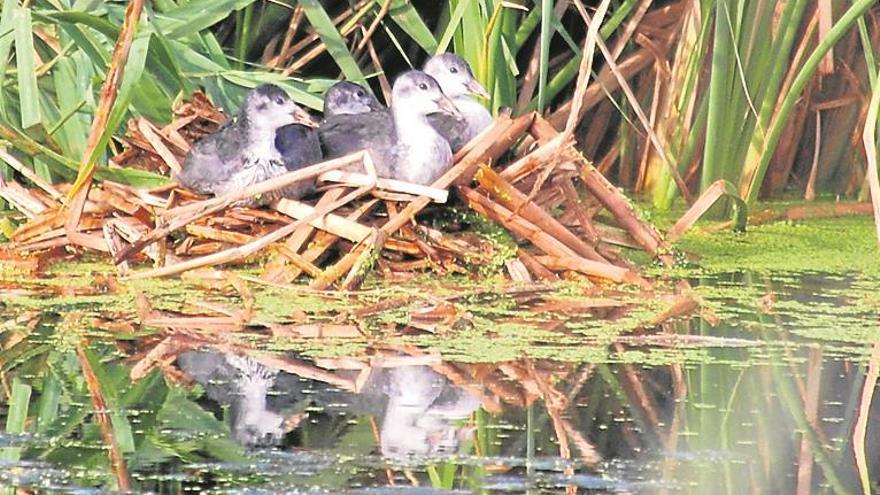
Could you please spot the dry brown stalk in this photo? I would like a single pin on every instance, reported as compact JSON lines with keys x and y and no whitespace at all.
{"x":276,"y":267}
{"x":324,"y":241}
{"x":536,"y":268}
{"x":355,"y":179}
{"x":109,"y":91}
{"x":31,"y":176}
{"x":184,"y":215}
{"x":241,"y":252}
{"x":21,"y":199}
{"x":561,"y":255}
{"x":117,"y":461}
{"x":151,"y":134}
{"x":370,"y":248}
{"x":573,"y":204}
{"x":513,"y":199}
{"x":712,"y":194}
{"x":587,"y":267}
{"x":622,"y":210}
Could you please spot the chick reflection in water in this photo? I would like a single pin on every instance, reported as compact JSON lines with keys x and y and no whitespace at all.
{"x":420,"y":410}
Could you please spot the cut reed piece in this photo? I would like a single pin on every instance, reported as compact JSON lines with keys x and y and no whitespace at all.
{"x":331,"y":223}
{"x":184,"y":215}
{"x":622,"y":210}
{"x":523,"y":229}
{"x":241,"y":252}
{"x":511,"y":197}
{"x":354,"y":179}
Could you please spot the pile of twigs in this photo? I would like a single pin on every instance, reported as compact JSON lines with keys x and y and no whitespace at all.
{"x":520,"y":173}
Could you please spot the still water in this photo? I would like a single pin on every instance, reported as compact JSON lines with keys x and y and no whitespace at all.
{"x":769,"y":389}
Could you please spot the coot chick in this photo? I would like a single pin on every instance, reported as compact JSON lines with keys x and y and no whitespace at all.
{"x":458,"y":83}
{"x":348,"y":98}
{"x":401,"y":141}
{"x":244,"y":152}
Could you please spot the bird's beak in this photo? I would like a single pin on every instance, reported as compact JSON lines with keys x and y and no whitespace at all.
{"x":376,"y":106}
{"x":446,"y":106}
{"x":477,"y":89}
{"x":302,"y":117}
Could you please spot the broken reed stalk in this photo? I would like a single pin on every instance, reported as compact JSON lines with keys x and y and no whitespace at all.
{"x":105,"y":426}
{"x":513,"y":199}
{"x":33,"y":177}
{"x":355,"y":179}
{"x":622,"y":211}
{"x":526,"y":230}
{"x":88,"y":164}
{"x":241,"y":252}
{"x":276,"y":269}
{"x":183,"y":215}
{"x":585,"y":69}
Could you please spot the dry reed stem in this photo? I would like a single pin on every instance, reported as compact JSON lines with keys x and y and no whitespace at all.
{"x":513,"y":199}
{"x":355,"y":179}
{"x":276,"y":268}
{"x":860,"y":430}
{"x":573,"y":204}
{"x":31,"y":176}
{"x":184,"y":215}
{"x":152,"y":136}
{"x":586,"y":65}
{"x":332,"y":223}
{"x":117,"y":461}
{"x":622,"y":210}
{"x":80,"y":191}
{"x":241,"y":252}
{"x":712,"y":194}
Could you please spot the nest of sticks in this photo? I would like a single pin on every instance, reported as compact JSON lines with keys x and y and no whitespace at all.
{"x":520,"y":173}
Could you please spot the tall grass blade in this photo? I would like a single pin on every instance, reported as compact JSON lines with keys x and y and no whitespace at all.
{"x":544,"y":58}
{"x":334,"y":42}
{"x":405,"y":16}
{"x":28,"y":93}
{"x":7,"y":27}
{"x":16,"y":417}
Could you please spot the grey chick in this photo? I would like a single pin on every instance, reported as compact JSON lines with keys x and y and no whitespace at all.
{"x":458,"y":83}
{"x":401,"y":141}
{"x":244,"y":152}
{"x":348,"y":98}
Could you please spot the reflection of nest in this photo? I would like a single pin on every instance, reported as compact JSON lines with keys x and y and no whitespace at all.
{"x":360,"y":220}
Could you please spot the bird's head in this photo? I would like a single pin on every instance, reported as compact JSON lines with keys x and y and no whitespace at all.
{"x":454,"y":76}
{"x":269,"y":106}
{"x":419,"y":93}
{"x":348,"y":98}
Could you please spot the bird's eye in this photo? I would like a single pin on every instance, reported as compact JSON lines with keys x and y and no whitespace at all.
{"x":279,"y":100}
{"x":361,"y":93}
{"x":454,"y":70}
{"x":423,"y":86}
